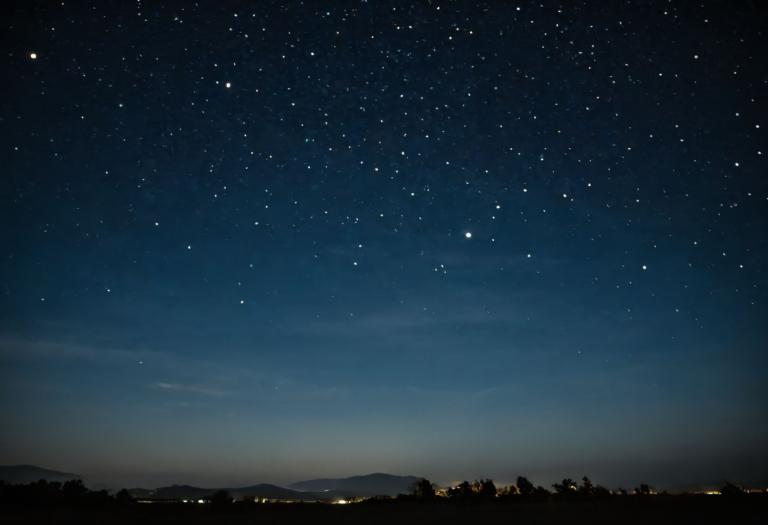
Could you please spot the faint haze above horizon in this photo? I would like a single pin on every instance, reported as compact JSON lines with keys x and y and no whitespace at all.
{"x":265,"y":242}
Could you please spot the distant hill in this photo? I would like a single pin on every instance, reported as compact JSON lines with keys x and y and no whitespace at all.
{"x":172,"y":492}
{"x":312,"y":490}
{"x":264,"y":490}
{"x":369,"y":485}
{"x":22,"y":474}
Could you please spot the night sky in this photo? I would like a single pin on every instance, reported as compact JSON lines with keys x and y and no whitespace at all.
{"x":254,"y":242}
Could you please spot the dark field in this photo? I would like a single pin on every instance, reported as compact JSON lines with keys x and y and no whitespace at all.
{"x":662,"y":509}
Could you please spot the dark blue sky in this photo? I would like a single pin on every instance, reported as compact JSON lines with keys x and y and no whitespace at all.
{"x":247,"y":242}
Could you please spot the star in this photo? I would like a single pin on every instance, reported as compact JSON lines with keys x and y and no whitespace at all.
{"x":33,"y":55}
{"x":467,"y":235}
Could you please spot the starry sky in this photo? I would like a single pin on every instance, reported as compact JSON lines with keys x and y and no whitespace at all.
{"x":267,"y":241}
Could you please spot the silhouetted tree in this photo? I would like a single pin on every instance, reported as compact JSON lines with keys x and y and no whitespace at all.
{"x":123,"y":497}
{"x":462,"y":491}
{"x":524,"y":486}
{"x":423,"y":489}
{"x":644,"y":490}
{"x":510,"y":490}
{"x":221,"y":498}
{"x":485,"y":489}
{"x":73,"y":490}
{"x":586,"y":487}
{"x":567,"y":486}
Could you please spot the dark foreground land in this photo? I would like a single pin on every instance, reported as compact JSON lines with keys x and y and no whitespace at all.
{"x":658,"y":509}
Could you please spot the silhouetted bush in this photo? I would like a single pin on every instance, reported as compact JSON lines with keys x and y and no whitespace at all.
{"x":731,"y":489}
{"x":600,"y":492}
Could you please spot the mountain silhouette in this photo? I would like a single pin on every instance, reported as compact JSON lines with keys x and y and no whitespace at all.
{"x":263,"y":490}
{"x":22,"y":474}
{"x":311,"y":490}
{"x":377,"y":484}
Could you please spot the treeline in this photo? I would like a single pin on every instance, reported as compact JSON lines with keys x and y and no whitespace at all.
{"x":74,"y":493}
{"x":55,"y":493}
{"x":523,"y":489}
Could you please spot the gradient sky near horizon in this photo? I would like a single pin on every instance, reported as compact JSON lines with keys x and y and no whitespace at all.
{"x":268,"y":241}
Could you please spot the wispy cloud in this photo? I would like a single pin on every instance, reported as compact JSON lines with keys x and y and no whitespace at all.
{"x":197,"y":389}
{"x":390,"y":322}
{"x":510,"y":309}
{"x":173,"y":371}
{"x":16,"y":348}
{"x":21,"y":349}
